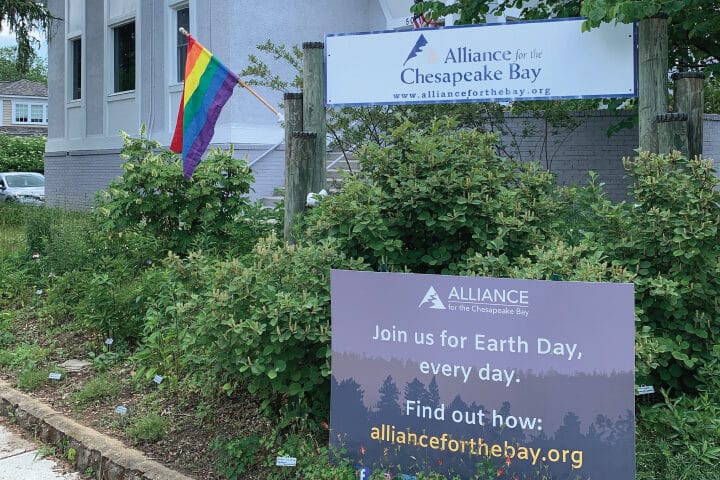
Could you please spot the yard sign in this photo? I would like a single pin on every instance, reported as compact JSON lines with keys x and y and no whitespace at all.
{"x":538,"y":60}
{"x":445,"y":373}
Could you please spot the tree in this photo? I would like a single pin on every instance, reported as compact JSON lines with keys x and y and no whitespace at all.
{"x":22,"y":17}
{"x":694,"y":25}
{"x":9,"y":71}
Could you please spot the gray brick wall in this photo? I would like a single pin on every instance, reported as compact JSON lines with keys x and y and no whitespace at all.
{"x":570,"y":153}
{"x":711,"y":138}
{"x":72,"y":180}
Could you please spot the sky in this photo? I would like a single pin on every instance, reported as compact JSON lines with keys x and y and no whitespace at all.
{"x":7,"y":39}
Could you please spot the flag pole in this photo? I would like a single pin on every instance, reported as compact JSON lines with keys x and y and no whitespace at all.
{"x":247,"y":87}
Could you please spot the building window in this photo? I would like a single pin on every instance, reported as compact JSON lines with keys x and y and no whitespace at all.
{"x":183,"y":21}
{"x":21,"y":112}
{"x":124,"y":42}
{"x":30,"y":113}
{"x":76,"y":47}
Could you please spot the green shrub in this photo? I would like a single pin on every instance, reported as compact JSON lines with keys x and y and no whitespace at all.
{"x":263,"y":322}
{"x":558,"y":261}
{"x":22,"y":154}
{"x":148,"y":428}
{"x":210,"y":211}
{"x":433,"y":196}
{"x":672,"y":244}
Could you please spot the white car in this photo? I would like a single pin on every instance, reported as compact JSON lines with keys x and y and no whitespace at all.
{"x":22,"y":187}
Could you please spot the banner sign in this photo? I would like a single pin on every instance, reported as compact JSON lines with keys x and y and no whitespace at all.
{"x":538,"y":60}
{"x":444,"y":373}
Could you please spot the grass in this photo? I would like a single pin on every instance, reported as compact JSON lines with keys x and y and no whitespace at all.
{"x":96,"y":390}
{"x":148,"y":428}
{"x":11,"y":240}
{"x":13,"y":218}
{"x":23,"y":356}
{"x":32,"y":378}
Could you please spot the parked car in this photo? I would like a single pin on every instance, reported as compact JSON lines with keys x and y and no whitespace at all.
{"x":22,"y":187}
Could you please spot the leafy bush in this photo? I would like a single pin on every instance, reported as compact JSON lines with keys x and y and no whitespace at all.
{"x":212,"y":210}
{"x":432,"y":197}
{"x":263,"y":322}
{"x":22,"y":154}
{"x":559,"y":261}
{"x":672,"y":244}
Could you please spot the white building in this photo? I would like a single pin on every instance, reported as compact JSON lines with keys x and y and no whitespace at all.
{"x":116,"y":64}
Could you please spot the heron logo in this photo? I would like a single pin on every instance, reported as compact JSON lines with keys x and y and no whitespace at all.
{"x":420,"y":44}
{"x":432,"y":300}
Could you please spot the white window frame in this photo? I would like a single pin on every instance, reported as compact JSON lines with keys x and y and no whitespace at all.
{"x":112,"y":26}
{"x":71,"y":68}
{"x":29,"y":104}
{"x":171,"y":52}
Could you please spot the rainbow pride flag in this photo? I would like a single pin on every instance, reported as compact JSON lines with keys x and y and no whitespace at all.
{"x":208,"y":86}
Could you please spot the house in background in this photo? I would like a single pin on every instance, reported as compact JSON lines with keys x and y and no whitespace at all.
{"x":23,"y":108}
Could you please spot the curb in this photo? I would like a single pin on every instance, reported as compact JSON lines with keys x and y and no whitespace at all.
{"x":109,"y":458}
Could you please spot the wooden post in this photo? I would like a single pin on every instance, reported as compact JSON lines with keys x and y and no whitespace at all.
{"x":314,"y":108}
{"x":293,"y":123}
{"x":652,"y":78}
{"x":689,"y":98}
{"x":672,"y":133}
{"x":297,"y":184}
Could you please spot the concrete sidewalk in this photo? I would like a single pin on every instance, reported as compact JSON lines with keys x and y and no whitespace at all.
{"x":19,"y":460}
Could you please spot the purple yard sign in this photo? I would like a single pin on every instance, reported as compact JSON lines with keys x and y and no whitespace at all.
{"x":532,"y":379}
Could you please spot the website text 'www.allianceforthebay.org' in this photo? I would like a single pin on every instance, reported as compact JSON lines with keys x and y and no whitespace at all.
{"x":474,"y":94}
{"x":476,"y":446}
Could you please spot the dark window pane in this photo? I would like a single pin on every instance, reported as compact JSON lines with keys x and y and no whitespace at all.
{"x":183,"y":20}
{"x":125,"y":57}
{"x":76,"y":69}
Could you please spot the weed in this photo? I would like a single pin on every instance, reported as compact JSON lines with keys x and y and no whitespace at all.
{"x":44,"y":451}
{"x":236,"y":456}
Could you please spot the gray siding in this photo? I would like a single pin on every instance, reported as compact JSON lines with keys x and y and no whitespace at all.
{"x":56,"y":71}
{"x":93,"y":88}
{"x":152,"y":66}
{"x":711,"y":139}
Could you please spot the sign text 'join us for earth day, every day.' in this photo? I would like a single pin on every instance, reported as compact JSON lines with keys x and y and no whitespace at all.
{"x":539,"y":60}
{"x":444,"y":373}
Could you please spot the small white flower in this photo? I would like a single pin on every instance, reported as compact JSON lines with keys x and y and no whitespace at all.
{"x":38,"y":292}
